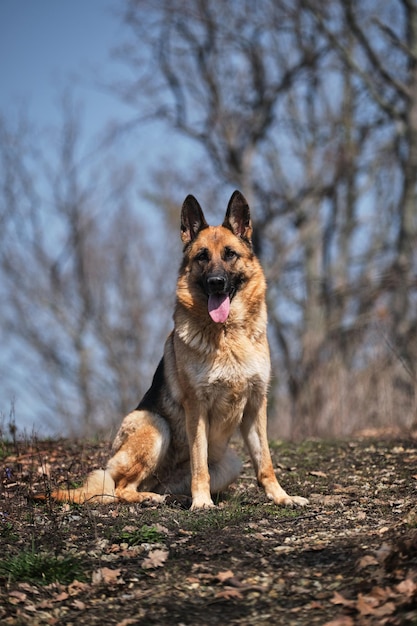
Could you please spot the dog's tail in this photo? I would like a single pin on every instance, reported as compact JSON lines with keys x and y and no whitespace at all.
{"x":98,"y":487}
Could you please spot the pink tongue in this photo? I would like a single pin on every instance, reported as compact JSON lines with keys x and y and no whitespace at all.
{"x":219,"y":307}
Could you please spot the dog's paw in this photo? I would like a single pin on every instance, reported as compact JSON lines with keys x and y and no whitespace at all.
{"x":181,"y":501}
{"x":147,"y":498}
{"x":200,"y":503}
{"x":291,"y":501}
{"x":153,"y":499}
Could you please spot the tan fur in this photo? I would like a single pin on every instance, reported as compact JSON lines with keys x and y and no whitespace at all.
{"x":212,"y":379}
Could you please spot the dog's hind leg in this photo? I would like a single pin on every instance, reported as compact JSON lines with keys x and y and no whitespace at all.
{"x":141,"y":446}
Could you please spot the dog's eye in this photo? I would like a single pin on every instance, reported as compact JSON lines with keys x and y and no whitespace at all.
{"x":230,"y":254}
{"x":202,"y":256}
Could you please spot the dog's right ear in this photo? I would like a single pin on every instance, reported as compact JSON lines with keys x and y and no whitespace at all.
{"x":192,"y":220}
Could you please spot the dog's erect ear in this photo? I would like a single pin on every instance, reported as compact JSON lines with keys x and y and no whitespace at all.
{"x":192,"y":219}
{"x":237,"y":217}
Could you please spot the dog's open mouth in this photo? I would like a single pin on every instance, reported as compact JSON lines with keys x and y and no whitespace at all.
{"x":219,"y":307}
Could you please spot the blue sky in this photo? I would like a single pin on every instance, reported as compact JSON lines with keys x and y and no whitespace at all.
{"x":46,"y":45}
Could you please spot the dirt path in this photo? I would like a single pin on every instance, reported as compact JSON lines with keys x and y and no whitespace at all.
{"x":349,"y":558}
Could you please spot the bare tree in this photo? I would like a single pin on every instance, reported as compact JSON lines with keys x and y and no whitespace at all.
{"x":78,"y":309}
{"x":310,"y":109}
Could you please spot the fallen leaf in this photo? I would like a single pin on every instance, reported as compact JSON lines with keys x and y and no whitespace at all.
{"x":115,"y":547}
{"x":382,"y":593}
{"x":77,"y":604}
{"x":129,"y":529}
{"x":386,"y":609}
{"x":314,"y":604}
{"x":366,"y":561}
{"x":342,"y":620}
{"x":61,"y":597}
{"x":162,"y":529}
{"x":155,"y":558}
{"x":350,"y":489}
{"x":76,"y":587}
{"x":229,"y":593}
{"x":45,"y":604}
{"x":339,"y":599}
{"x":30,"y":588}
{"x":407,"y":587}
{"x":17,"y":596}
{"x":318,"y":474}
{"x":105,"y":575}
{"x":223,"y":576}
{"x":383,"y":552}
{"x":366,"y":604}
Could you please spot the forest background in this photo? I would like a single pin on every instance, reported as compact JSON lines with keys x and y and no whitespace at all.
{"x":310,"y":109}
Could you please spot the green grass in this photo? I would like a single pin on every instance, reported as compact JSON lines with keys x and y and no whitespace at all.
{"x":41,"y":569}
{"x":145,"y":534}
{"x":234,"y":514}
{"x":7,"y":531}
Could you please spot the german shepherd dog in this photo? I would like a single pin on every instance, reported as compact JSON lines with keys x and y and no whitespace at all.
{"x":212,"y":378}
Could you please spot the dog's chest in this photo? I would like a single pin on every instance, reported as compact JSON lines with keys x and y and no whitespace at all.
{"x":231,"y":372}
{"x":226,"y":368}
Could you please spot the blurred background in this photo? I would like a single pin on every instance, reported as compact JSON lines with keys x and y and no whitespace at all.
{"x":112,"y":112}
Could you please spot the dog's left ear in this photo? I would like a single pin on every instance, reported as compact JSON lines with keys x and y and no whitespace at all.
{"x":192,"y":219}
{"x":237,"y":217}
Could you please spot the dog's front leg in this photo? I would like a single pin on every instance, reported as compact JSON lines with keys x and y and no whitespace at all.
{"x":197,"y":433}
{"x":254,"y":432}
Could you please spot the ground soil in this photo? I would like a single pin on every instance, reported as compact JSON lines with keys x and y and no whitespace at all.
{"x":349,"y":558}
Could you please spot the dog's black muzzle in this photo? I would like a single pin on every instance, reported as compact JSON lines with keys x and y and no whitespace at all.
{"x":217,"y":284}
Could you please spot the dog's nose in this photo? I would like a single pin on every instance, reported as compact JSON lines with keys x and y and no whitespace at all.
{"x":216,"y":284}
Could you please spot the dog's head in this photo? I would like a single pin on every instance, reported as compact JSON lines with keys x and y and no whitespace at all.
{"x":217,"y":259}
